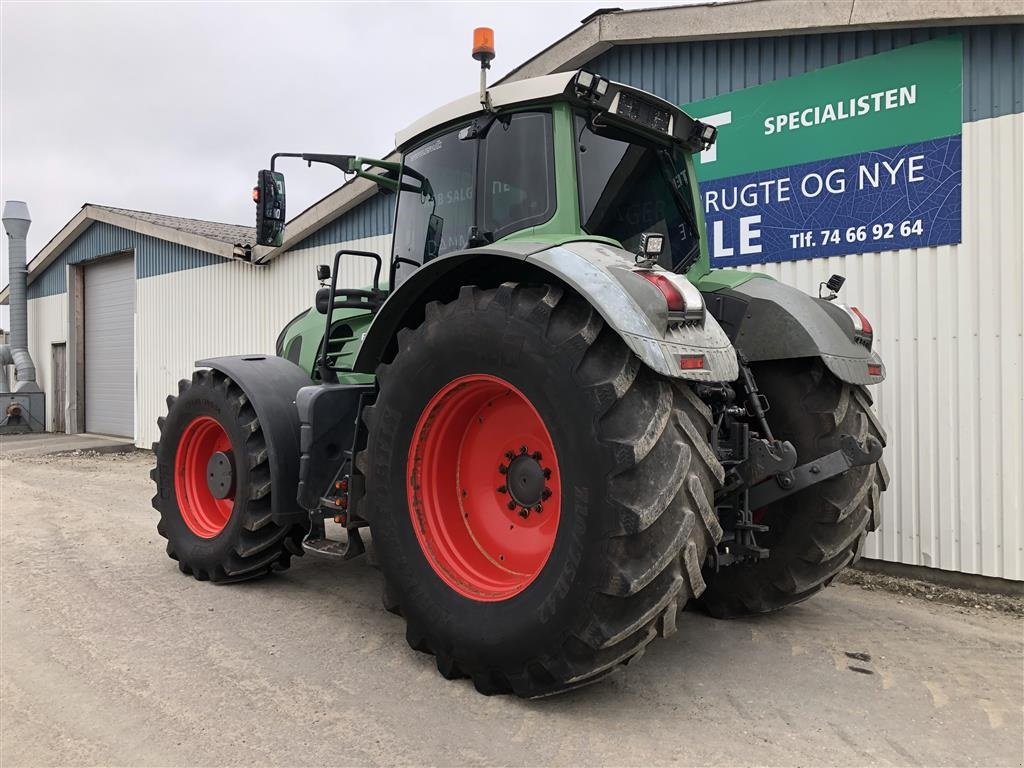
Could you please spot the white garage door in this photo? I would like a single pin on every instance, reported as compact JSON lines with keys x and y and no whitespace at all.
{"x":109,"y":347}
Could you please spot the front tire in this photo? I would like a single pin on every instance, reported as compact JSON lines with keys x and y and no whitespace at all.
{"x":816,"y":533}
{"x":557,"y":584}
{"x":213,"y":485}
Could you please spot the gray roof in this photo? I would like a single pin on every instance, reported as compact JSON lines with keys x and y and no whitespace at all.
{"x":232,"y":234}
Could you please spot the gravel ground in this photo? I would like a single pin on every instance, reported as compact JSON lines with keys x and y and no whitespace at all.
{"x":923,"y":590}
{"x":110,"y":656}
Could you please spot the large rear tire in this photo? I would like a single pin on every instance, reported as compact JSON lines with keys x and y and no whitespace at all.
{"x":213,"y":485}
{"x":540,"y":502}
{"x":816,"y":533}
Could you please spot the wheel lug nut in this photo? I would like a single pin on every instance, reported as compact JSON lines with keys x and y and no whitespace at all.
{"x":502,"y":468}
{"x":538,"y":509}
{"x":502,"y":489}
{"x":511,"y":505}
{"x":536,"y":455}
{"x":524,"y":513}
{"x":522,"y":450}
{"x":546,"y":494}
{"x":547,"y":473}
{"x":509,"y":455}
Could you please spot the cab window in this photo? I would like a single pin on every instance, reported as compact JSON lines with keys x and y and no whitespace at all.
{"x":518,"y":174}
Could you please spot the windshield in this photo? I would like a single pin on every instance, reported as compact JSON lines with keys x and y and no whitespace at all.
{"x":516,"y":175}
{"x":436,"y":218}
{"x":627,"y":188}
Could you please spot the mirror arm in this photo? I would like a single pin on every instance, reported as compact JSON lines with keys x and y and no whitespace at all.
{"x":342,"y":162}
{"x":273,"y":157}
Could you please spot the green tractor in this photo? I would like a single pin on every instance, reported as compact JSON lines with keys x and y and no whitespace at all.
{"x":559,"y":425}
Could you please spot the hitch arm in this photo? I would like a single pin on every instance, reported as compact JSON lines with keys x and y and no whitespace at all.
{"x":851,"y":454}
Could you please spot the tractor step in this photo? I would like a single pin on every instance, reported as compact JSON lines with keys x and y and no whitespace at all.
{"x":352,"y":547}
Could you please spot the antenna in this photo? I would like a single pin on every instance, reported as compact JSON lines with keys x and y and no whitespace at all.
{"x":483,"y":51}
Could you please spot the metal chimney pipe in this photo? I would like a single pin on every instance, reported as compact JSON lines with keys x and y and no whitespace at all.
{"x":16,"y":223}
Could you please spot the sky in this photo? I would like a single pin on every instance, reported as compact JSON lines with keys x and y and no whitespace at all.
{"x":174,"y":107}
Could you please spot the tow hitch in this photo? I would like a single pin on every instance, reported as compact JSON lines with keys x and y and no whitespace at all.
{"x":851,"y":453}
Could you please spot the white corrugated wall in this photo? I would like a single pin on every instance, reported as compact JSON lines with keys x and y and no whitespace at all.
{"x":948,"y":322}
{"x":225,"y":309}
{"x":47,"y":325}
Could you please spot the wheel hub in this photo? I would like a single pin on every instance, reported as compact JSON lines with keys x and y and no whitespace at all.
{"x":220,"y":474}
{"x":525,"y":481}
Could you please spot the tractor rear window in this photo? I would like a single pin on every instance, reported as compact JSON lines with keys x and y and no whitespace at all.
{"x":628,"y":188}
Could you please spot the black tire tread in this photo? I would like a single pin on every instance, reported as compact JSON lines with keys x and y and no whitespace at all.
{"x":665,"y":478}
{"x":262,"y":546}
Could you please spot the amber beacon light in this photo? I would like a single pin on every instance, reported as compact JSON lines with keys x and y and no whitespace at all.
{"x":483,"y":46}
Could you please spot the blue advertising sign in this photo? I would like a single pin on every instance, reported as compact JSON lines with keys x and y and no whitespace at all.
{"x":854,"y":158}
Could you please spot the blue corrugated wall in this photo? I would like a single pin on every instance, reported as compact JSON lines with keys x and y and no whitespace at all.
{"x":153,"y":256}
{"x":374,"y":217}
{"x":686,"y":72}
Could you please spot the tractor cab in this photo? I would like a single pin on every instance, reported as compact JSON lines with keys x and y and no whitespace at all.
{"x":565,"y":157}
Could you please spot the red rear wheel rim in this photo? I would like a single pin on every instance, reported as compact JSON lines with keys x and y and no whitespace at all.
{"x":204,"y":514}
{"x":480,"y":455}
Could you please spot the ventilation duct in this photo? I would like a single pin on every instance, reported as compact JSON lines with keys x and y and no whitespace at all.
{"x":23,"y":408}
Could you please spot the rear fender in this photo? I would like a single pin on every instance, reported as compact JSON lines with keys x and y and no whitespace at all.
{"x":769,"y":320}
{"x":271,"y":384}
{"x":601,"y":274}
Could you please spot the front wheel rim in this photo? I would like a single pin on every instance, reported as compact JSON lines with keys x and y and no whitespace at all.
{"x":203,"y":442}
{"x":484,"y":488}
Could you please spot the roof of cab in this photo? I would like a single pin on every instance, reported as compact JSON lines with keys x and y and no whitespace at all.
{"x":519,"y":92}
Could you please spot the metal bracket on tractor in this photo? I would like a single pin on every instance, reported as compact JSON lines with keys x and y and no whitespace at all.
{"x":331,"y":433}
{"x":760,"y":470}
{"x":851,"y":453}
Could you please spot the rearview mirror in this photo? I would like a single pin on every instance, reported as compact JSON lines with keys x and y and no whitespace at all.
{"x":269,"y":197}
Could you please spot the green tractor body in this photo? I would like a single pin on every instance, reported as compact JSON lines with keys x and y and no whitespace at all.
{"x":559,"y":424}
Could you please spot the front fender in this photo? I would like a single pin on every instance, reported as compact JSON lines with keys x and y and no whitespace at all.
{"x":271,"y":384}
{"x":769,"y":320}
{"x":601,"y":274}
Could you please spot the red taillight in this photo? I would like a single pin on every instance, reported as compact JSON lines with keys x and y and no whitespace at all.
{"x":673,"y":296}
{"x":691,"y":362}
{"x":865,"y":324}
{"x":874,"y":369}
{"x":255,"y":194}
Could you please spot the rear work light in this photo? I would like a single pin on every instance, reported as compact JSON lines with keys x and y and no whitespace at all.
{"x":681,"y":297}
